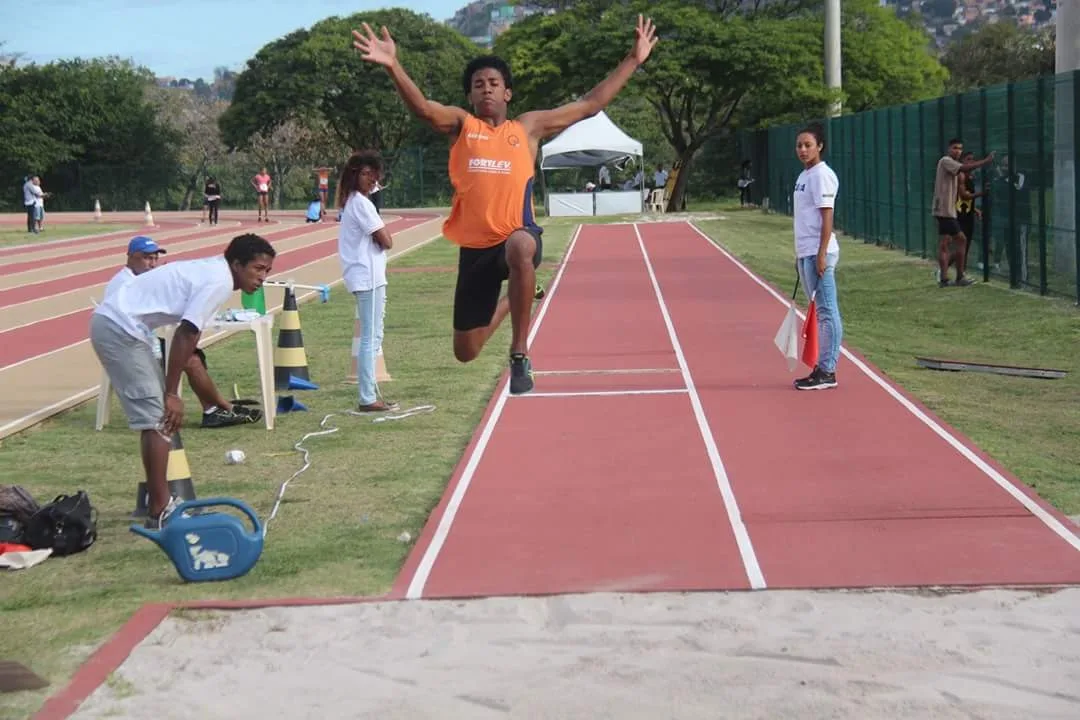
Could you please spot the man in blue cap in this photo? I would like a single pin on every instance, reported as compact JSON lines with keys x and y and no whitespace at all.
{"x":142,"y":256}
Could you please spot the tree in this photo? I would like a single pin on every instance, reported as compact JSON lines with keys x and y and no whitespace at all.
{"x":315,"y":76}
{"x":194,"y":119}
{"x":88,"y":129}
{"x":720,"y":65}
{"x":290,"y":146}
{"x":998,"y":53}
{"x":9,"y":59}
{"x":701,"y":70}
{"x":887,"y":60}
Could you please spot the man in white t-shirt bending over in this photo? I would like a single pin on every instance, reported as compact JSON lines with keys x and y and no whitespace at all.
{"x":143,"y":255}
{"x":187,"y":294}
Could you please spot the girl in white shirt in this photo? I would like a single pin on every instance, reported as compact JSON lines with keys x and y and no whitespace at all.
{"x":362,"y":244}
{"x":817,"y":252}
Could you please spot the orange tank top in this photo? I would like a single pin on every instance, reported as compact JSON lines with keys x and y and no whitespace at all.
{"x":491,"y":169}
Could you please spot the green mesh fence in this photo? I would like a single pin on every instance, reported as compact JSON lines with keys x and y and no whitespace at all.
{"x":886,"y":159}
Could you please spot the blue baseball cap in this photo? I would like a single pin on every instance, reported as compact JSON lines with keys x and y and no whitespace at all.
{"x":144,"y":244}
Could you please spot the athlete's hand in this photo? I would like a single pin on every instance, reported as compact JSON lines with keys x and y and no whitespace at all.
{"x":646,"y":39}
{"x":174,"y":413}
{"x":381,"y":51}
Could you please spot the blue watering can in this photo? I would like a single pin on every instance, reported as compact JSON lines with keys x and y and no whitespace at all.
{"x":208,"y":546}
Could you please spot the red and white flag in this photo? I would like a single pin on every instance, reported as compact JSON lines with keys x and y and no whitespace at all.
{"x":787,"y":337}
{"x":810,"y":335}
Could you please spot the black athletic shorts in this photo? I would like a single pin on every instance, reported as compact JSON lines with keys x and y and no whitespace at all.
{"x":481,"y":272}
{"x":966,"y":221}
{"x":947,"y":226}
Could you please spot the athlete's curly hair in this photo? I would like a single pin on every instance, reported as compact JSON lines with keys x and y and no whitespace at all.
{"x":483,"y":62}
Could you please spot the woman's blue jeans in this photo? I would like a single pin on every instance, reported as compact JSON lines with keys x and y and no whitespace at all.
{"x":370,"y":309}
{"x":830,"y":326}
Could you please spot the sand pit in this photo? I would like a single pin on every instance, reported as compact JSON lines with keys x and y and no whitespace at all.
{"x":774,"y":654}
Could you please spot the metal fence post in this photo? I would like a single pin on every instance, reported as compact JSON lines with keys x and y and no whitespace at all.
{"x":868,"y":207}
{"x":1012,"y":241}
{"x":984,"y":131}
{"x":890,"y":195}
{"x":907,"y":176}
{"x":1040,"y":173}
{"x":922,"y":183}
{"x":1076,"y":177}
{"x":852,"y":134}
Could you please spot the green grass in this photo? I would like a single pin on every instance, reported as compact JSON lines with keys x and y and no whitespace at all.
{"x":336,"y":531}
{"x":893,"y":311}
{"x":17,"y":235}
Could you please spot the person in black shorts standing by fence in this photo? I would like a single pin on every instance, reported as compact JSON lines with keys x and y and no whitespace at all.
{"x":966,"y":212}
{"x":952,"y":241}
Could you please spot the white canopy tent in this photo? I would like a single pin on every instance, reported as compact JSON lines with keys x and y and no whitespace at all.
{"x":592,"y":142}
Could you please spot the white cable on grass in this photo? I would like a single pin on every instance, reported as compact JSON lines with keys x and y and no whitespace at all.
{"x":299,"y":447}
{"x":418,"y":410}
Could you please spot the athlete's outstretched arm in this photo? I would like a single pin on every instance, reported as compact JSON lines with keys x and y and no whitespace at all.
{"x":545,"y":123}
{"x":383,"y":51}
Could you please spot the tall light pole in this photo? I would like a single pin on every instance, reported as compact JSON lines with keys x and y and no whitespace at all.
{"x":832,"y":50}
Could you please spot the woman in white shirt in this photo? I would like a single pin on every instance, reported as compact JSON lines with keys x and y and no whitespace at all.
{"x":362,"y":244}
{"x":817,"y":252}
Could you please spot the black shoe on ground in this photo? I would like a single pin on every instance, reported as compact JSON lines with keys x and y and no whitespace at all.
{"x":540,"y":292}
{"x":816,"y":380}
{"x":521,"y":375}
{"x":226,"y":418}
{"x":964,"y":281}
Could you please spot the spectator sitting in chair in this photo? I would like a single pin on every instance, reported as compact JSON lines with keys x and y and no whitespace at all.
{"x":143,"y":254}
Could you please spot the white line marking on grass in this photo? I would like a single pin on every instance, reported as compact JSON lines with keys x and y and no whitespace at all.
{"x":1033,"y":507}
{"x":427,"y":562}
{"x":742,"y":536}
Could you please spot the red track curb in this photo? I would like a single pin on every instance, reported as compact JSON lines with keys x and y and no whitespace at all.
{"x":103,"y":662}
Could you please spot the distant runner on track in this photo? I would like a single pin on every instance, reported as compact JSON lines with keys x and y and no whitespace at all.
{"x":491,"y":167}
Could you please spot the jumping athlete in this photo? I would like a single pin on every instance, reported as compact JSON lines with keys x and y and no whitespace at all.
{"x":491,"y":167}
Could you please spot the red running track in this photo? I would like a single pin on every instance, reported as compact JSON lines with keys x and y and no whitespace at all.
{"x":29,"y":341}
{"x":665,"y":449}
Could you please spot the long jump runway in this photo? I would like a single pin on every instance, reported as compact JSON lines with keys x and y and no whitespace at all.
{"x":664,"y":448}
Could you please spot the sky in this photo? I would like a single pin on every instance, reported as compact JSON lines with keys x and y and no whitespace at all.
{"x":178,"y":38}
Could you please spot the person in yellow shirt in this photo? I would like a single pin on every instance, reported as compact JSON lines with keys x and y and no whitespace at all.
{"x":491,"y":168}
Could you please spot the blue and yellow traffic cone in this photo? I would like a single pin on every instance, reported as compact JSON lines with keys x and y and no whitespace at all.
{"x":178,"y":475}
{"x":290,"y":360}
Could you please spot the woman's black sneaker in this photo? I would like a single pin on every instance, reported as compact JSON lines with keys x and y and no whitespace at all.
{"x":818,"y":379}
